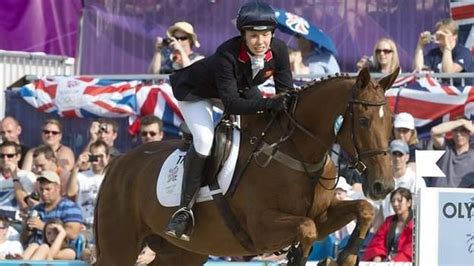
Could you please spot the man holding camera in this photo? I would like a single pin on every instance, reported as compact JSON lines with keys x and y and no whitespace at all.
{"x":105,"y":129}
{"x":176,"y":51}
{"x":449,"y":56}
{"x":83,"y":187}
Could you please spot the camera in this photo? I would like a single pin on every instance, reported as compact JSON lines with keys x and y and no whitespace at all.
{"x":432,"y":37}
{"x":103,"y":128}
{"x":166,"y":41}
{"x":93,"y":158}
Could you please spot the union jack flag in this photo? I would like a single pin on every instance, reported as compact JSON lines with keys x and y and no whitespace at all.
{"x":427,"y":100}
{"x":430,"y":102}
{"x":83,"y":96}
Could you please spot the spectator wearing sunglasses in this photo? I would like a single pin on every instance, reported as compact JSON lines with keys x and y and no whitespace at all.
{"x":10,"y":129}
{"x":151,"y":129}
{"x":384,"y":59}
{"x":52,"y":134}
{"x":15,"y":184}
{"x":176,"y":51}
{"x":448,"y":57}
{"x":456,"y":163}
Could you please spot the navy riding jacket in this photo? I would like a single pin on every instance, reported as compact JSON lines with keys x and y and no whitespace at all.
{"x":227,"y":75}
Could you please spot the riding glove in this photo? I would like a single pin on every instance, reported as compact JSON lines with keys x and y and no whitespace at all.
{"x":276,"y":104}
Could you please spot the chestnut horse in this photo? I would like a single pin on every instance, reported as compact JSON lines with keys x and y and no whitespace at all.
{"x":277,"y":205}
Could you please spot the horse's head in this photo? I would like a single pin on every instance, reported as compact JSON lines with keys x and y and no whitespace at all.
{"x":366,"y":133}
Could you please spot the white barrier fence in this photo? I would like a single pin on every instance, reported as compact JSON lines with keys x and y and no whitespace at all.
{"x":15,"y":65}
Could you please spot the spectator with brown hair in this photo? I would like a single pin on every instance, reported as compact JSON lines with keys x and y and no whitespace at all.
{"x":10,"y":131}
{"x":83,"y":187}
{"x":151,"y":129}
{"x":52,"y":133}
{"x":55,"y":244}
{"x":449,"y":56}
{"x":458,"y":158}
{"x":44,"y":159}
{"x":15,"y":184}
{"x":384,"y":59}
{"x":106,"y":130}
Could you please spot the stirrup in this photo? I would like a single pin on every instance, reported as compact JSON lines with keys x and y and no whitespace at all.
{"x":186,"y":235}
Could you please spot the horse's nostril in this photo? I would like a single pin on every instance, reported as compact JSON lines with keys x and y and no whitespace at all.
{"x":377,"y":188}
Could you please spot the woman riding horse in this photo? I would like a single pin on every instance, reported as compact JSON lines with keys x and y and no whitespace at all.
{"x":229,"y":77}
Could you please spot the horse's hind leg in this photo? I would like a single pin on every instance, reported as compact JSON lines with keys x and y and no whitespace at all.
{"x":169,"y":254}
{"x":117,"y":243}
{"x":341,"y":213}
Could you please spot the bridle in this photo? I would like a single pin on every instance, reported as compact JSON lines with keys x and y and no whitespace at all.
{"x":356,"y":161}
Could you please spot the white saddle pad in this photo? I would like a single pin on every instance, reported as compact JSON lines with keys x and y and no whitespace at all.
{"x":168,"y":187}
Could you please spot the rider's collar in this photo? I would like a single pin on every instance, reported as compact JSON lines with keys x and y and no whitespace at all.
{"x":244,"y":54}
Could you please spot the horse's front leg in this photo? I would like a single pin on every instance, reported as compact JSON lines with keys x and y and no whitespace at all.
{"x":341,"y":213}
{"x":273,"y":230}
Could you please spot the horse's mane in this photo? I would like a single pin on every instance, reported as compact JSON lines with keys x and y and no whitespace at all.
{"x":317,"y":84}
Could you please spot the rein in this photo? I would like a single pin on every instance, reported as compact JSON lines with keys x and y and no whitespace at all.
{"x":271,"y":150}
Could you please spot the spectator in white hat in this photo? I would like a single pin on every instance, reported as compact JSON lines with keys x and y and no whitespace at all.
{"x":404,"y":129}
{"x":175,"y":51}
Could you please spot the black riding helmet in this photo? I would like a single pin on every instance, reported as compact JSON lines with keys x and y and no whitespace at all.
{"x":256,"y":15}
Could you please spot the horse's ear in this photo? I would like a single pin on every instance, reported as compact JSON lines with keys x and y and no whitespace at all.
{"x":387,"y":82}
{"x":363,"y":78}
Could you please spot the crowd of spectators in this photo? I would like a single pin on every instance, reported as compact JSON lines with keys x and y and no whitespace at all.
{"x":47,"y":204}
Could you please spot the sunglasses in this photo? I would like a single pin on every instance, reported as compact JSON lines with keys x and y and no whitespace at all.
{"x":46,"y":132}
{"x":183,"y":38}
{"x":146,"y":133}
{"x":8,"y":155}
{"x":385,"y":51}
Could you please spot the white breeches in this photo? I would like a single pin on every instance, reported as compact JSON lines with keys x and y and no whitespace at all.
{"x":198,"y":118}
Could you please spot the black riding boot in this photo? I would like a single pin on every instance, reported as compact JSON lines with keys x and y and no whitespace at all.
{"x":178,"y":225}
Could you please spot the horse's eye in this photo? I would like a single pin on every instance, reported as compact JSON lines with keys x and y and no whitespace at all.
{"x":364,"y":122}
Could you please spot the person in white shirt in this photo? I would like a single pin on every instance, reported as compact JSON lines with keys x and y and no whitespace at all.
{"x":402,"y":174}
{"x":8,"y":248}
{"x":15,"y":184}
{"x":84,"y":186}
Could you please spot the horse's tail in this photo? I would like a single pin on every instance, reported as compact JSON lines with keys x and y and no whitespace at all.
{"x":96,"y":209}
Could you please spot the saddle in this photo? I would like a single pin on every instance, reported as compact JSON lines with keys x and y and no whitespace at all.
{"x":223,"y":137}
{"x":221,"y":148}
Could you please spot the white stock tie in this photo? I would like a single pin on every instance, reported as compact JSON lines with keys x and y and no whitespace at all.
{"x":258,"y":62}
